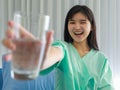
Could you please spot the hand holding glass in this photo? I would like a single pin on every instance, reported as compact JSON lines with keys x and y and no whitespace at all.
{"x":29,"y":53}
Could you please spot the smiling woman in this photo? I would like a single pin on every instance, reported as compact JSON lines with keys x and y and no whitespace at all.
{"x":78,"y":63}
{"x":79,"y":27}
{"x":108,"y":23}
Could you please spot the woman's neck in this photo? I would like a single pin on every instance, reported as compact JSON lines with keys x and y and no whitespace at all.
{"x":82,"y":48}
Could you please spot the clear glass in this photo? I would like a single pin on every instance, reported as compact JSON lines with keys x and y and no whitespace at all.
{"x":29,"y":53}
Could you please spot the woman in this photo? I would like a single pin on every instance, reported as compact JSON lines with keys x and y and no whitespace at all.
{"x":77,"y":60}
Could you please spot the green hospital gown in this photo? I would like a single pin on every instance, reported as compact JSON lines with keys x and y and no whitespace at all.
{"x":90,"y":72}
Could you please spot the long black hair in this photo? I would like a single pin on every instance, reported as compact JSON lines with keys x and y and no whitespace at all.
{"x":91,"y":39}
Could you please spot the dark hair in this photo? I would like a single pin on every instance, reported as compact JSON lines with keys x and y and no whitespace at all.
{"x":91,"y":39}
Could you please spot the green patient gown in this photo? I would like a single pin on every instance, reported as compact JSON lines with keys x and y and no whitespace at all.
{"x":90,"y":72}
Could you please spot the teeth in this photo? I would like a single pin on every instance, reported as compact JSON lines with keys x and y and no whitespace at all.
{"x":78,"y":32}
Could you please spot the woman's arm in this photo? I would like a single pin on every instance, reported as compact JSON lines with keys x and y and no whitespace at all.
{"x":54,"y":55}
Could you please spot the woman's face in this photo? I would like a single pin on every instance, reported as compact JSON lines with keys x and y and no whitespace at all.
{"x":79,"y":28}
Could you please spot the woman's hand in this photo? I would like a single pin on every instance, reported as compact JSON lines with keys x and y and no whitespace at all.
{"x":7,"y":41}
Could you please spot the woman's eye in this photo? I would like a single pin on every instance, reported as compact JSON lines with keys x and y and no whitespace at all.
{"x":71,"y":22}
{"x":82,"y":22}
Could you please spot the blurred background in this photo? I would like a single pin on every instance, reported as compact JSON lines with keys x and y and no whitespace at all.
{"x":106,"y":12}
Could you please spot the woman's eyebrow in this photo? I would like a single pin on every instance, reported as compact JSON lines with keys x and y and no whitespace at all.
{"x":82,"y":20}
{"x":71,"y":20}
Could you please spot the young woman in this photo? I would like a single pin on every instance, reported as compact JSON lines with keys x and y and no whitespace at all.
{"x":78,"y":63}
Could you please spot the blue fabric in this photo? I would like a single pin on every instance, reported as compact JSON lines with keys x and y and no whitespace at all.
{"x":45,"y":82}
{"x":1,"y":80}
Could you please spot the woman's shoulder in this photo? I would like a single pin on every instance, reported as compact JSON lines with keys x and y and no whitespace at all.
{"x":99,"y":52}
{"x":100,"y":55}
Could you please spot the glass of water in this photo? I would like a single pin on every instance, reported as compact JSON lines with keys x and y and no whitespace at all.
{"x":29,"y":53}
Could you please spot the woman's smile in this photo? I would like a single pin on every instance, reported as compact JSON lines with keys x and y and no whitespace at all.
{"x":78,"y":34}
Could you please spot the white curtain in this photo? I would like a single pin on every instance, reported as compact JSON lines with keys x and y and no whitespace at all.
{"x":107,"y":15}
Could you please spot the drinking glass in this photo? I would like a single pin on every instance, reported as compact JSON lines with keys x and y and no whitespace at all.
{"x":28,"y":56}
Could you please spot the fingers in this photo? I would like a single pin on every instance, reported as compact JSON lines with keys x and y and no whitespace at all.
{"x":49,"y":37}
{"x":7,"y":41}
{"x":10,"y":34}
{"x":23,"y":32}
{"x":8,"y":44}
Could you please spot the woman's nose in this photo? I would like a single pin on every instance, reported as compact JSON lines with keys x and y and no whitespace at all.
{"x":77,"y":25}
